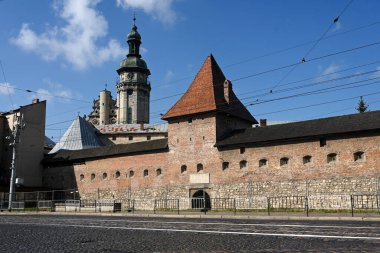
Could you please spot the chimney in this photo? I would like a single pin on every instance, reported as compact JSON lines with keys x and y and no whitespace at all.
{"x":227,"y":90}
{"x":263,"y":122}
{"x":141,"y":126}
{"x":35,"y":101}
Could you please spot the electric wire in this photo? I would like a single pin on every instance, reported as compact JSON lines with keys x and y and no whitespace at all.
{"x":6,"y":85}
{"x":304,"y":58}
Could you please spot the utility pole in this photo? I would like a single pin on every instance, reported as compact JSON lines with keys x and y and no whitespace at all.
{"x":16,"y":133}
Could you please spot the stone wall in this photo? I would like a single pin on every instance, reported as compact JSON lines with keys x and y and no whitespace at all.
{"x":332,"y":193}
{"x":192,"y":143}
{"x":334,"y":186}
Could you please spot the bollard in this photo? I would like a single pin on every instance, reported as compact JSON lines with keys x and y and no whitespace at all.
{"x":268,"y":200}
{"x":352,"y":206}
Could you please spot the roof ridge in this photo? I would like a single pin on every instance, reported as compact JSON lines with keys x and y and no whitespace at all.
{"x":79,"y":135}
{"x":206,"y":94}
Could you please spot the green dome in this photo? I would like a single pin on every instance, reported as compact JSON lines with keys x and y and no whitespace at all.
{"x":133,"y":62}
{"x":134,"y":34}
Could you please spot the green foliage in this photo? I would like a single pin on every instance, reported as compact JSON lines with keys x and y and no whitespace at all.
{"x":362,"y":106}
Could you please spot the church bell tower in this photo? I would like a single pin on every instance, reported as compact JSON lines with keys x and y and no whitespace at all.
{"x":133,"y":87}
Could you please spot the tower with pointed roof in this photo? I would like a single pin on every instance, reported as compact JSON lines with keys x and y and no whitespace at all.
{"x":210,"y":96}
{"x":133,"y":86}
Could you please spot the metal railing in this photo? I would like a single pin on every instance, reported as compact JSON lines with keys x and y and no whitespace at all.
{"x":69,"y":201}
{"x":166,"y":205}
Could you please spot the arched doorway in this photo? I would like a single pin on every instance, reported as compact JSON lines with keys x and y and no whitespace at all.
{"x":201,"y":200}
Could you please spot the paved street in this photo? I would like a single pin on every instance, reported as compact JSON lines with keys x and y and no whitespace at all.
{"x":53,"y":233}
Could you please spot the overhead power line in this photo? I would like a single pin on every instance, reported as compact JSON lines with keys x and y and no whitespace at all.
{"x":304,"y":58}
{"x":6,"y":85}
{"x":287,"y":66}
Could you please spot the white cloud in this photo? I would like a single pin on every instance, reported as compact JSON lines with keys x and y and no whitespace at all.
{"x":42,"y":94}
{"x":167,"y":79}
{"x":329,"y":72}
{"x":76,"y":41}
{"x":160,"y":10}
{"x":336,"y":27}
{"x":169,"y":76}
{"x":377,"y":74}
{"x":55,"y":92}
{"x":6,"y":88}
{"x":143,"y":51}
{"x":331,"y":69}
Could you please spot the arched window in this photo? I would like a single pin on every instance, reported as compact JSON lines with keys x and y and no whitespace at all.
{"x":92,"y":176}
{"x":243,"y":164}
{"x":332,"y":157}
{"x":183,"y":169}
{"x":117,"y":174}
{"x":306,"y":159}
{"x":81,"y":177}
{"x":199,"y":167}
{"x":104,"y":175}
{"x":131,"y":173}
{"x":225,"y":165}
{"x":263,"y":163}
{"x":284,"y":161}
{"x":158,"y":171}
{"x":146,"y":173}
{"x":359,"y":156}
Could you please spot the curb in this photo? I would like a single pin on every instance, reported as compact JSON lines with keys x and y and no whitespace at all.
{"x":200,"y":216}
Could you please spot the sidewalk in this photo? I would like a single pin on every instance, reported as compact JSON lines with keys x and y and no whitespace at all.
{"x":248,"y":216}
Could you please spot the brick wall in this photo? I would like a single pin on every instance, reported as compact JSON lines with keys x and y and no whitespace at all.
{"x":192,"y":142}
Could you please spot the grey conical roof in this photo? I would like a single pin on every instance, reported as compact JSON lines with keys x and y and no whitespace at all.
{"x":80,"y":135}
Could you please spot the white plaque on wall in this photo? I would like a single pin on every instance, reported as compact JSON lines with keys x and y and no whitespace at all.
{"x":202,"y":178}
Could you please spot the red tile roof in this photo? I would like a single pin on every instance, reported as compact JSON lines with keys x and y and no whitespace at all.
{"x":206,"y":94}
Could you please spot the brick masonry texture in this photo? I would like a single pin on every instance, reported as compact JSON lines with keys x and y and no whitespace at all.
{"x":192,"y":143}
{"x":309,"y":165}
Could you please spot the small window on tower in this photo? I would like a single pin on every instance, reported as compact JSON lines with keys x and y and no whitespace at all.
{"x":306,"y":159}
{"x":243,"y":164}
{"x":332,"y":157}
{"x":359,"y":156}
{"x":183,"y":169}
{"x":284,"y":161}
{"x":263,"y":163}
{"x":199,"y":167}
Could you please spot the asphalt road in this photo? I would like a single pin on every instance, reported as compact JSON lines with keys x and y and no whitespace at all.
{"x":53,"y":233}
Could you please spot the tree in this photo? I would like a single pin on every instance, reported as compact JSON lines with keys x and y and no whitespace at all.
{"x":362,"y":106}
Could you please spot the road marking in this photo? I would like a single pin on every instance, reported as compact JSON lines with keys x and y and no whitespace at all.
{"x":221,"y":223}
{"x":206,"y":231}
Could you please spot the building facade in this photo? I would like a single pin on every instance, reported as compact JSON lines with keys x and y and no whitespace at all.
{"x":29,"y":145}
{"x":213,"y":149}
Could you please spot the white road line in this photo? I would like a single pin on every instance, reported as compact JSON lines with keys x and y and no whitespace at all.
{"x":221,"y":223}
{"x":207,"y":231}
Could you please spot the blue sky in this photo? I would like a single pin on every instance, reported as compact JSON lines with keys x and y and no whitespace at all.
{"x":68,"y":50}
